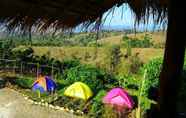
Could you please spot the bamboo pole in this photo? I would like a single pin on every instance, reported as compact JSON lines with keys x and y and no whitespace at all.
{"x":52,"y":71}
{"x":37,"y":70}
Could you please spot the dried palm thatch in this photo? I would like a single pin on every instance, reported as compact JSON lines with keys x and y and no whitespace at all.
{"x":67,"y":14}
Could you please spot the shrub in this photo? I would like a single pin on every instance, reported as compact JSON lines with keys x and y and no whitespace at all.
{"x":6,"y":46}
{"x":93,"y":77}
{"x":128,"y":81}
{"x":87,"y":56}
{"x":114,"y":57}
{"x":136,"y":43}
{"x":109,"y":112}
{"x":24,"y":82}
{"x":134,"y":64}
{"x":153,"y":71}
{"x":71,"y":103}
{"x":23,"y":53}
{"x":67,"y":64}
{"x":97,"y":107}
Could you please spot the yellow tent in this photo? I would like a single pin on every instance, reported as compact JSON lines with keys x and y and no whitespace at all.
{"x":79,"y":90}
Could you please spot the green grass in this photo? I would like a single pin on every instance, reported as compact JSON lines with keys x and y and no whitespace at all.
{"x":62,"y":53}
{"x":24,"y":82}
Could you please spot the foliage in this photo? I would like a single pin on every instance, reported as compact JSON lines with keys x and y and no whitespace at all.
{"x":5,"y":48}
{"x":23,"y":53}
{"x":46,"y":64}
{"x":94,"y":44}
{"x":114,"y":57}
{"x":153,"y":71}
{"x":128,"y":81}
{"x":136,"y":43}
{"x":97,"y":107}
{"x":67,"y":64}
{"x":70,"y":71}
{"x":24,"y":82}
{"x":93,"y":77}
{"x":159,"y":45}
{"x":135,"y":63}
{"x":128,"y":45}
{"x":109,"y":112}
{"x":61,"y":39}
{"x":87,"y":56}
{"x":70,"y":103}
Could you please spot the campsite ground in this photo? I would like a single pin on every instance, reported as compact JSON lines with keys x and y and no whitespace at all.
{"x":90,"y":64}
{"x":13,"y":105}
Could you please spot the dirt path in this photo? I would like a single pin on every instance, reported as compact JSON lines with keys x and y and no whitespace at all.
{"x":13,"y":105}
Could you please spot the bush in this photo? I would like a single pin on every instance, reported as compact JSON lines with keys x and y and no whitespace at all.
{"x":128,"y":81}
{"x":67,"y":64}
{"x":23,"y":53}
{"x":135,"y":63}
{"x":152,"y":77}
{"x":136,"y":43}
{"x":25,"y":83}
{"x":6,"y":45}
{"x":96,"y":79}
{"x":97,"y":107}
{"x":71,"y":103}
{"x":114,"y":57}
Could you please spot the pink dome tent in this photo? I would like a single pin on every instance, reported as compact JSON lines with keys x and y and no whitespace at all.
{"x":119,"y":97}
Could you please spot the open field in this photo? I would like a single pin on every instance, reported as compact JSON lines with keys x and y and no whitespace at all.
{"x":79,"y":52}
{"x":61,"y":53}
{"x":157,"y":38}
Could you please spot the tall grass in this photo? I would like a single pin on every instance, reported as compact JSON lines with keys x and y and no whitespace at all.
{"x":138,"y":111}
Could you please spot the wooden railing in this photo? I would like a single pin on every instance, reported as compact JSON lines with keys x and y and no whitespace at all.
{"x":32,"y":69}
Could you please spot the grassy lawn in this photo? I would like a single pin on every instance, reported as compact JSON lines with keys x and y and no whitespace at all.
{"x":61,"y":53}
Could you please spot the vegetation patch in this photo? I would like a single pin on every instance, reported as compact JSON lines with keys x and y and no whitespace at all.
{"x":101,"y":67}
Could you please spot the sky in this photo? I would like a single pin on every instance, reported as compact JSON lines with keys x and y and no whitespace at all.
{"x":123,"y":17}
{"x":115,"y":17}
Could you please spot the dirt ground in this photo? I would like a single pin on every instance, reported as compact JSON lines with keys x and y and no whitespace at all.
{"x":13,"y":105}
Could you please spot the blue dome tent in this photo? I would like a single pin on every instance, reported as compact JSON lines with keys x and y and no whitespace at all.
{"x":44,"y":84}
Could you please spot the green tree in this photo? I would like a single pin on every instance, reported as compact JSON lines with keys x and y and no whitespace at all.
{"x":115,"y":57}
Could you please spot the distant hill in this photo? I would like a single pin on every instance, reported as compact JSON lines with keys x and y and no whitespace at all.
{"x":157,"y":38}
{"x":141,"y":28}
{"x":117,"y":28}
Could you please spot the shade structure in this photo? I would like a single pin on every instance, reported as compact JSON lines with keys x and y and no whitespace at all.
{"x":44,"y":84}
{"x":65,"y":13}
{"x":79,"y":90}
{"x":119,"y":97}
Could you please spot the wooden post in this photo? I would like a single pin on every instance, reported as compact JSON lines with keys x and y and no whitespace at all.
{"x":15,"y":67}
{"x":37,"y":70}
{"x":30,"y":35}
{"x":98,"y":24}
{"x":52,"y":71}
{"x":173,"y":58}
{"x":21,"y":68}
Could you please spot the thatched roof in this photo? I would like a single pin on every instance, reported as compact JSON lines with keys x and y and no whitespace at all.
{"x":67,"y":13}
